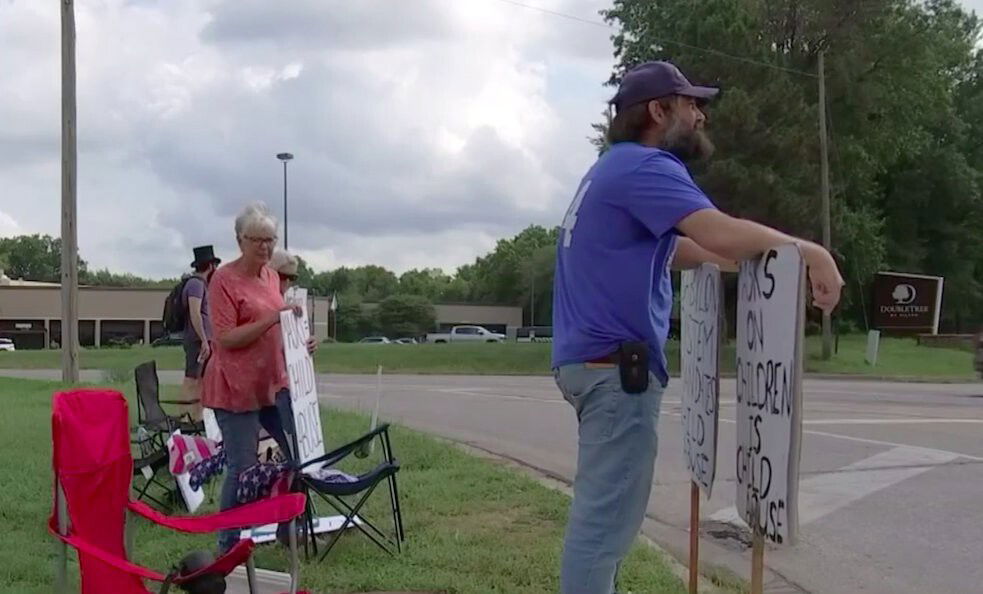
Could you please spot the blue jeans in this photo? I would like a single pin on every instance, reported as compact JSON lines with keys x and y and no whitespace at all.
{"x":615,"y":466}
{"x":240,"y":439}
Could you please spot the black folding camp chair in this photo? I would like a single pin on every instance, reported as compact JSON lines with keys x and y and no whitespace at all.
{"x":150,"y":463}
{"x":149,"y":412}
{"x":348,"y":497}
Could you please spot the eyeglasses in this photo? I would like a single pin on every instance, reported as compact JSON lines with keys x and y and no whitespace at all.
{"x":260,"y":240}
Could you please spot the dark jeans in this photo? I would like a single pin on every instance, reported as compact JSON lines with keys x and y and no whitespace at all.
{"x":240,"y":437}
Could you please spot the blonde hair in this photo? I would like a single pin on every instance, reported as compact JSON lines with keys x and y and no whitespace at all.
{"x":254,"y":217}
{"x":283,"y":261}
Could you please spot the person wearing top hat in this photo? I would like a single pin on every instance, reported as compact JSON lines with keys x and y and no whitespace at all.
{"x":636,"y":214}
{"x":197,"y":329}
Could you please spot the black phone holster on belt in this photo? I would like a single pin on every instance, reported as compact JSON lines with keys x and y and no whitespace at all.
{"x":633,"y":363}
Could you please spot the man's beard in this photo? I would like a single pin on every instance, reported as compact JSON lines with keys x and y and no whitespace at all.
{"x":686,"y":144}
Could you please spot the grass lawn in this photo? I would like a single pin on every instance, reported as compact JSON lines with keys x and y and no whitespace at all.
{"x":898,"y":358}
{"x":472,"y":525}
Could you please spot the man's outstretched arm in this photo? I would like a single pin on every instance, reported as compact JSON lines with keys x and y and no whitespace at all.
{"x":690,"y":255}
{"x":741,"y":239}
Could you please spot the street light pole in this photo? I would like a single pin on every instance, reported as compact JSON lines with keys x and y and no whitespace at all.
{"x":284,"y":157}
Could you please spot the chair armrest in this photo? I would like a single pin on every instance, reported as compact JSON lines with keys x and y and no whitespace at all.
{"x":106,"y":557}
{"x":224,"y":564}
{"x":338,"y":454}
{"x":192,"y":401}
{"x":273,"y":510}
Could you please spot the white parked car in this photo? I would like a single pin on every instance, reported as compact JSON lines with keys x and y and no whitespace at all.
{"x":374,"y":340}
{"x":466,"y":334}
{"x":7,"y":345}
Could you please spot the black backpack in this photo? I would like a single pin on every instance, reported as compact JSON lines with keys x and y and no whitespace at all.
{"x":175,"y":310}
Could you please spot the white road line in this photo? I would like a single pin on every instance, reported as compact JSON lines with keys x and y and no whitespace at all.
{"x":888,"y":421}
{"x":823,"y":494}
{"x":493,"y":396}
{"x":872,"y":441}
{"x":476,"y":393}
{"x":892,"y":444}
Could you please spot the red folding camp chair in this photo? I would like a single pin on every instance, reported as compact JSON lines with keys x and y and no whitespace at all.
{"x":93,"y":468}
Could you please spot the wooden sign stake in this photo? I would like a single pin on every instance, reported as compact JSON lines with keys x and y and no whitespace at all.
{"x":757,"y":562}
{"x":694,"y":537}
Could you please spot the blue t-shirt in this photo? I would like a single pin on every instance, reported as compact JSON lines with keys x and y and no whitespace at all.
{"x":616,"y":244}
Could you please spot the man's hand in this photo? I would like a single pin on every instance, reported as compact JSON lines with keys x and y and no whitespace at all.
{"x":740,"y":239}
{"x":824,"y":276}
{"x":205,"y":353}
{"x":311,"y":345}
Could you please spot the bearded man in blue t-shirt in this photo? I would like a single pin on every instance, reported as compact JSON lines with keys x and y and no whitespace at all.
{"x":636,"y":214}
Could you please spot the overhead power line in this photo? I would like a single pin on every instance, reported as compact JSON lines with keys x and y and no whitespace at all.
{"x":706,"y":50}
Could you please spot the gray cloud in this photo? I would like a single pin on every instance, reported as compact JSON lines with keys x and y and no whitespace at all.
{"x":362,"y":25}
{"x":419,"y":140}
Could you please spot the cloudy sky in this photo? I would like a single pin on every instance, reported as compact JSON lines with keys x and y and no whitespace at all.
{"x":423,"y":130}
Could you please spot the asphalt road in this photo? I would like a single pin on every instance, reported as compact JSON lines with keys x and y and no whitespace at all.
{"x":891,"y":490}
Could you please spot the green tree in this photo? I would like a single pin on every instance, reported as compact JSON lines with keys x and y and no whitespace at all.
{"x":539,"y":271}
{"x":305,"y":276}
{"x":105,"y":278}
{"x":34,"y":257}
{"x":431,"y":283}
{"x":354,"y":319}
{"x":500,"y":277}
{"x":903,"y":88}
{"x":373,"y":283}
{"x":406,"y":316}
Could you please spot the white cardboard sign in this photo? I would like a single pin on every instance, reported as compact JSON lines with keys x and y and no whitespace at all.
{"x":701,"y":298}
{"x":298,"y":296}
{"x":770,"y":312}
{"x":303,"y":383}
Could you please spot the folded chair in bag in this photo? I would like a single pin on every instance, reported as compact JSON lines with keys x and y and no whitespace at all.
{"x":149,"y":412}
{"x":338,"y":489}
{"x":92,"y":471}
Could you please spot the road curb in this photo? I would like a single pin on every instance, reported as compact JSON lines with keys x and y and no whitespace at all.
{"x":97,"y":374}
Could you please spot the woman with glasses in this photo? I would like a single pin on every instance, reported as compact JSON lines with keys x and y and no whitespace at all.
{"x":247,"y":367}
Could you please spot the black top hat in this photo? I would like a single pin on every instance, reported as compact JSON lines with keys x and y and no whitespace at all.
{"x":204,"y":255}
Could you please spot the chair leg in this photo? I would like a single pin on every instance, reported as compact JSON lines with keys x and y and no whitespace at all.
{"x":337,"y":503}
{"x":294,"y":559}
{"x":251,"y":574}
{"x":397,"y":513}
{"x":61,"y":559}
{"x":350,"y":520}
{"x":394,"y":492}
{"x":311,"y":537}
{"x":128,"y":533}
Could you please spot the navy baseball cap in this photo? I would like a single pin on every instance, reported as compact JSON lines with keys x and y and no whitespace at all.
{"x":653,"y":80}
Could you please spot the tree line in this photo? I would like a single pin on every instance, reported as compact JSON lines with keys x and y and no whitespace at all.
{"x":371,"y":299}
{"x":904,"y":85}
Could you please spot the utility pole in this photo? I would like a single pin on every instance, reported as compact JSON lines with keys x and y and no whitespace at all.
{"x":824,"y":166}
{"x":532,"y":299}
{"x":69,"y":186}
{"x":284,"y":157}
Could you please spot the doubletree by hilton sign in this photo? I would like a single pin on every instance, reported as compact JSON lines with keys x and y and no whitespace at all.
{"x":907,"y":302}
